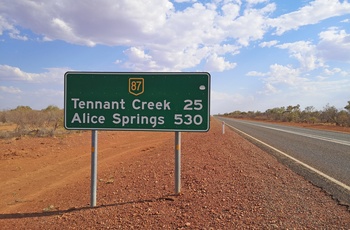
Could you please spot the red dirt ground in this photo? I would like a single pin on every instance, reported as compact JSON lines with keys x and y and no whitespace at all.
{"x":227,"y":183}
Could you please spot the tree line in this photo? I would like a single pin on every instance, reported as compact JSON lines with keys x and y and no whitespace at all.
{"x":46,"y":122}
{"x":31,"y":122}
{"x":329,"y":114}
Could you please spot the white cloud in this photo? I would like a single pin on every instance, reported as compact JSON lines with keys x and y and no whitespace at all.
{"x":230,"y":11}
{"x":13,"y":32}
{"x":170,"y":39}
{"x":137,"y":54}
{"x":89,"y":22}
{"x":173,"y":39}
{"x":268,"y":44}
{"x":334,"y":44}
{"x":278,"y":76}
{"x":303,"y":91}
{"x":228,"y":102}
{"x":284,"y":74}
{"x":4,"y":25}
{"x":325,"y":87}
{"x":256,"y":74}
{"x":305,"y":53}
{"x":313,"y":13}
{"x":138,"y":60}
{"x":37,"y":90}
{"x":10,"y":73}
{"x":218,"y":64}
{"x":10,"y":89}
{"x":334,"y":71}
{"x":254,"y":19}
{"x":65,"y":32}
{"x":289,"y":84}
{"x":256,"y":1}
{"x":271,"y":89}
{"x":182,"y":1}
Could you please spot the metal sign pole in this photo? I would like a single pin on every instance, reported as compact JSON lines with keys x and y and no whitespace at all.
{"x":93,"y":168}
{"x":177,"y":163}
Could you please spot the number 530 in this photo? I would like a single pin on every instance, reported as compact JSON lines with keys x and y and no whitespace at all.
{"x":188,"y":119}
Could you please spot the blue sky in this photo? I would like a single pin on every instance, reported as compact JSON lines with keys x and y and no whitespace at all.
{"x":261,"y":54}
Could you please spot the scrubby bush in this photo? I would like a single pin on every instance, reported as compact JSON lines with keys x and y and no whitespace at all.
{"x":329,"y":114}
{"x":32,"y":122}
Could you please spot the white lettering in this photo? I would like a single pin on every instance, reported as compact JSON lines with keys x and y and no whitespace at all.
{"x":78,"y":104}
{"x":75,"y":102}
{"x":76,"y":118}
{"x":90,"y":104}
{"x":122,"y":103}
{"x":159,"y":105}
{"x":150,"y":105}
{"x":166,"y":105}
{"x":137,"y":104}
{"x":85,"y":118}
{"x":118,"y":119}
{"x":81,"y":104}
{"x":134,"y":102}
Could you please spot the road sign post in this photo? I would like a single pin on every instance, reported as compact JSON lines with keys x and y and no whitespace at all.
{"x":178,"y":102}
{"x":93,"y":168}
{"x":223,"y":127}
{"x":177,"y":163}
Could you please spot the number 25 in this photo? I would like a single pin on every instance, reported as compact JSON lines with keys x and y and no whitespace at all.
{"x":193,"y":105}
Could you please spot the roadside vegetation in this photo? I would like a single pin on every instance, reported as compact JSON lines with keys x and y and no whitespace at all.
{"x":24,"y":121}
{"x":328,"y":115}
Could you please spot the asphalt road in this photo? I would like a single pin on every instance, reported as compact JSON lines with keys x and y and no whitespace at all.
{"x":323,"y":157}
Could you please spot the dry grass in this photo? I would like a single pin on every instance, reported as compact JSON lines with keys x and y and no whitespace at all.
{"x":23,"y":121}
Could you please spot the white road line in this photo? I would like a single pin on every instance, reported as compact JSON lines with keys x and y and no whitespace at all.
{"x":296,"y":160}
{"x":304,"y":134}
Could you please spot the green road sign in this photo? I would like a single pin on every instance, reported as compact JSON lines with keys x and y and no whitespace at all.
{"x":137,"y":101}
